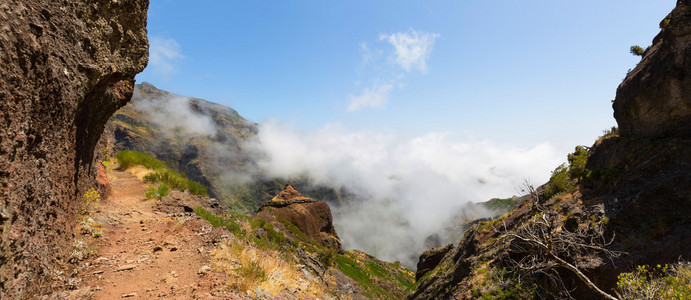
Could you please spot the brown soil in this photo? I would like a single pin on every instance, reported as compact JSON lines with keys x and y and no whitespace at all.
{"x":145,"y":253}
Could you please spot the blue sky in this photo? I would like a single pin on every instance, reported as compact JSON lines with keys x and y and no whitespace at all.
{"x":511,"y":72}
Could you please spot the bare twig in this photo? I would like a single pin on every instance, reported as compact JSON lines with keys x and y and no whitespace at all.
{"x":547,"y":246}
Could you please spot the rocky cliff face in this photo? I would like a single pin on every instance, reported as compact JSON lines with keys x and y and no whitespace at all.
{"x":655,"y":98}
{"x":64,"y":69}
{"x":644,"y":176}
{"x":639,"y":182}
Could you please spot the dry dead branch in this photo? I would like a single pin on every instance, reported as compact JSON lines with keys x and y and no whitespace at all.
{"x":544,"y":246}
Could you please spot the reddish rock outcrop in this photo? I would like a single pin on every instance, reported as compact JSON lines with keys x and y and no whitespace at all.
{"x":65,"y":67}
{"x":287,"y":194}
{"x":655,"y":97}
{"x":313,"y":218}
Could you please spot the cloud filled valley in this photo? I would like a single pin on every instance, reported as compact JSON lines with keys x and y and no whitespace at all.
{"x":400,"y":190}
{"x":394,"y":191}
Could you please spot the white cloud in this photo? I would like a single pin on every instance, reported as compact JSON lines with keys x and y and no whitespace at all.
{"x":375,"y":96}
{"x":413,"y":48}
{"x":163,"y":54}
{"x":403,"y":189}
{"x":369,"y":55}
{"x":175,"y":117}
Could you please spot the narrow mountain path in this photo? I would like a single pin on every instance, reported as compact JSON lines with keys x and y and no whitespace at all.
{"x":144,"y":253}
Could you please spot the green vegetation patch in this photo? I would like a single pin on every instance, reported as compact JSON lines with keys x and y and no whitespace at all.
{"x":297,"y":233}
{"x":659,"y":282}
{"x":216,"y":221}
{"x":161,"y":175}
{"x":129,"y":158}
{"x":352,"y":269}
{"x":271,"y":239}
{"x":158,"y":192}
{"x":367,"y":273}
{"x":176,"y":181}
{"x":497,"y":204}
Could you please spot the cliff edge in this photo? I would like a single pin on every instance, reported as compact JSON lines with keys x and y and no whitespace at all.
{"x":654,"y":99}
{"x":64,"y":69}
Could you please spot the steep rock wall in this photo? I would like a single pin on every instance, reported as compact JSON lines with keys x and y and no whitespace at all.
{"x":65,"y":67}
{"x":655,"y":97}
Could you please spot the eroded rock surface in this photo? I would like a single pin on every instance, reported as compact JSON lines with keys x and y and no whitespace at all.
{"x":313,"y":218}
{"x":430,"y":259}
{"x":655,"y":97}
{"x":65,"y":67}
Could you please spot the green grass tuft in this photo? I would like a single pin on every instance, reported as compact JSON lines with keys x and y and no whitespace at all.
{"x":161,"y":174}
{"x":216,"y":221}
{"x":128,"y":158}
{"x":159,"y":192}
{"x":176,"y":181}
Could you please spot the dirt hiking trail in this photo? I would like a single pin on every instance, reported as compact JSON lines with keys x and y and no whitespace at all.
{"x":144,"y":253}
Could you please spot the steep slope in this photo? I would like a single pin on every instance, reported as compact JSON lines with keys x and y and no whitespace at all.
{"x":149,"y":124}
{"x":636,"y":185}
{"x":307,"y":225}
{"x":204,"y":140}
{"x":64,"y":69}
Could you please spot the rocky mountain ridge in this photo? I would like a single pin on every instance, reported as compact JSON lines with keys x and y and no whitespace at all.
{"x":217,"y":157}
{"x":135,"y":127}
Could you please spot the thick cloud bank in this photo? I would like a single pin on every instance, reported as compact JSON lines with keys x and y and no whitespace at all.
{"x":400,"y":190}
{"x":396,"y":191}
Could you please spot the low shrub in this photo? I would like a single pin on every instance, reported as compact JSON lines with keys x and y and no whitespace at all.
{"x":636,"y":50}
{"x":659,"y":282}
{"x":326,"y":256}
{"x":577,"y":162}
{"x":607,"y":133}
{"x":559,"y":182}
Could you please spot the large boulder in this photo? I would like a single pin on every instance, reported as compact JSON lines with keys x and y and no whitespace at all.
{"x":65,"y":67}
{"x":655,"y":97}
